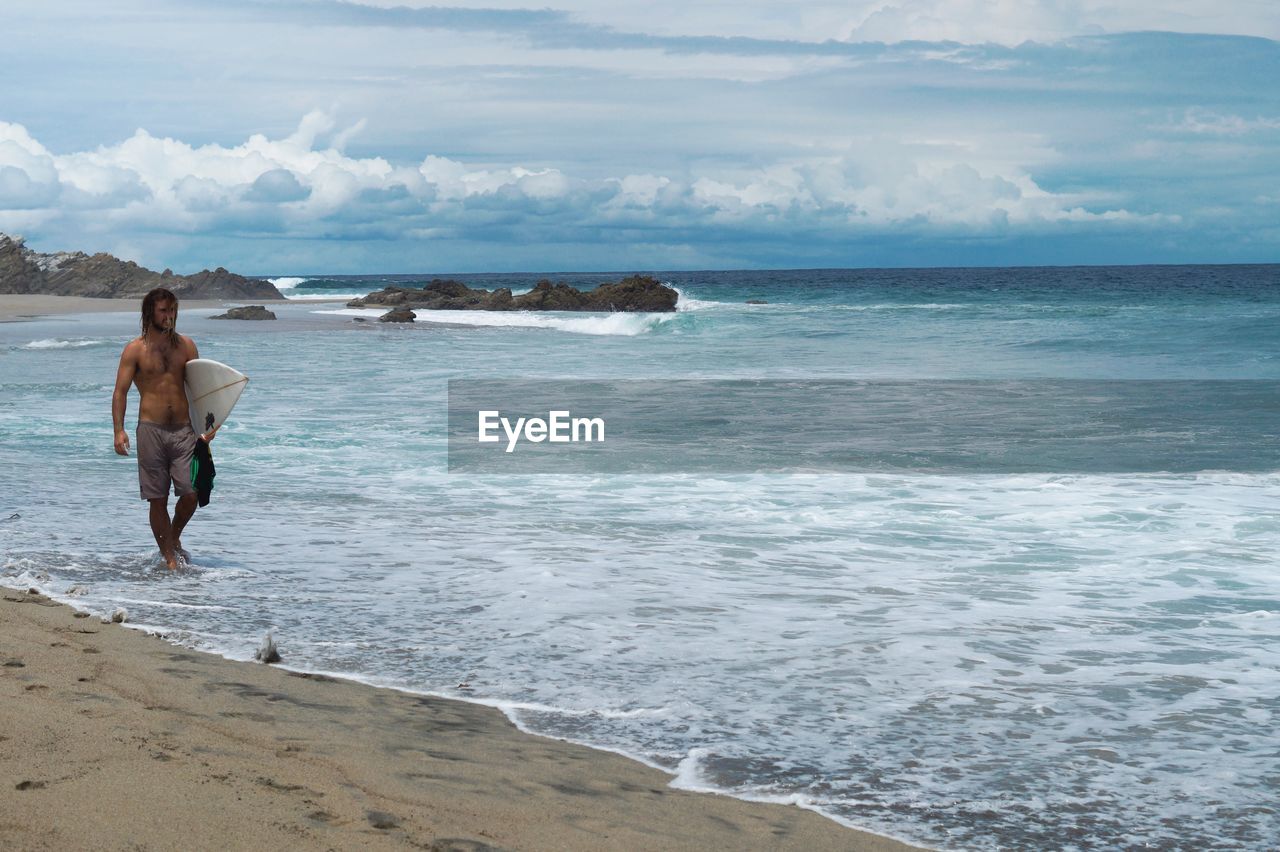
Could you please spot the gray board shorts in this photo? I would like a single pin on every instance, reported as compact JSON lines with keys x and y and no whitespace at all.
{"x":164,"y":456}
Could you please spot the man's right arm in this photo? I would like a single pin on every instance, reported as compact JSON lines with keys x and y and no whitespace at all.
{"x":120,"y":396}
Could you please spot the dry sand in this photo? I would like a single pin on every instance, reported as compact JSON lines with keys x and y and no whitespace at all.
{"x":17,"y":307}
{"x":113,"y":739}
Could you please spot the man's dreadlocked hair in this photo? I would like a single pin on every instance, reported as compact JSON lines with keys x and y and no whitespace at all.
{"x":159,"y":294}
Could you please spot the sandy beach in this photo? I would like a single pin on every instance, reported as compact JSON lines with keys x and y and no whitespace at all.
{"x":16,"y":307}
{"x":114,"y":739}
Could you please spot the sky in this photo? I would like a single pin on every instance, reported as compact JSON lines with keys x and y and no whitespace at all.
{"x":296,"y":137}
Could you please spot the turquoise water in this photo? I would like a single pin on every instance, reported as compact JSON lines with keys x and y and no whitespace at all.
{"x":980,"y":661}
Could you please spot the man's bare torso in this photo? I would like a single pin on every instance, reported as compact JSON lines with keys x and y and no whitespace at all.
{"x":160,"y":370}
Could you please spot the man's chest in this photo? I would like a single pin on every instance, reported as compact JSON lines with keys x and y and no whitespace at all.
{"x":160,"y":365}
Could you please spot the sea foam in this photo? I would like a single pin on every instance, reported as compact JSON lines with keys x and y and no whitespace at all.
{"x":616,"y":324}
{"x":623,"y":324}
{"x":688,"y":303}
{"x":287,"y":283}
{"x":61,"y":343}
{"x":328,"y":296}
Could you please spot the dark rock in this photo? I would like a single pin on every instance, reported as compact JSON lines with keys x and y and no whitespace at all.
{"x":106,"y":277}
{"x":456,"y":289}
{"x":249,"y":312}
{"x":637,"y":293}
{"x":395,"y":296}
{"x":267,"y":652}
{"x":398,"y":315}
{"x":501,"y":300}
{"x":546,"y":296}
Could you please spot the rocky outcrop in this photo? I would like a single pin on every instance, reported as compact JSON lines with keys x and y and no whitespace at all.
{"x":637,"y":293}
{"x":248,"y":312}
{"x":398,"y":315}
{"x":106,"y":277}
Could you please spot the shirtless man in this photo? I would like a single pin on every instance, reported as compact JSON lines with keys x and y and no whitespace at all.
{"x":156,"y":362}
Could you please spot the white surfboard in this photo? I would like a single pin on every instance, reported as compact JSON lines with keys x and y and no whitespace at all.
{"x":212,"y":391}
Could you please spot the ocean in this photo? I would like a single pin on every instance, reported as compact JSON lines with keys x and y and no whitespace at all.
{"x":1063,"y":658}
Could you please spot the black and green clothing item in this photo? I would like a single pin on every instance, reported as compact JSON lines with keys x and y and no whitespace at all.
{"x":202,"y":471}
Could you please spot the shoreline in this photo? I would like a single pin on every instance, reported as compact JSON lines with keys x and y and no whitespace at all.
{"x":113,"y":738}
{"x":21,"y":307}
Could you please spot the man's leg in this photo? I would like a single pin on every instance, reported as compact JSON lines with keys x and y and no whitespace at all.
{"x":162,"y":529}
{"x":182,"y":512}
{"x":182,"y":445}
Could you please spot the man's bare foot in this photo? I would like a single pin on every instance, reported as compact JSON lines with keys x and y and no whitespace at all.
{"x":171,"y":561}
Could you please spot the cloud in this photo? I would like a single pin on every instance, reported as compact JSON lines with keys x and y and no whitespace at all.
{"x":299,"y":187}
{"x":276,"y":185}
{"x":19,"y":191}
{"x":860,"y":194}
{"x":28,"y":174}
{"x":1207,"y":122}
{"x":753,"y":26}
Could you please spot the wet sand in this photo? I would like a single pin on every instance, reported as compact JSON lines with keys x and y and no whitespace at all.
{"x":110,"y":738}
{"x":18,"y":307}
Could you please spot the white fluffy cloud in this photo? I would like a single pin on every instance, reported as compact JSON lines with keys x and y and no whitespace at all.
{"x":303,"y":186}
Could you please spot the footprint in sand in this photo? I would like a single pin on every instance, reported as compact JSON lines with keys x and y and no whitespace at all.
{"x":461,"y":844}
